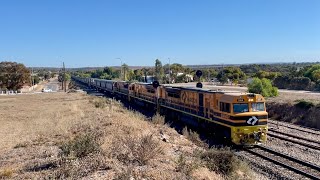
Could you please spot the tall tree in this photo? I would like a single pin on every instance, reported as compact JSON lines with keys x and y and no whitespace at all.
{"x":13,"y":75}
{"x":159,"y":71}
{"x":125,"y":69}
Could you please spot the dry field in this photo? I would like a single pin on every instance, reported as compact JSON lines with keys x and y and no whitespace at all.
{"x":77,"y":136}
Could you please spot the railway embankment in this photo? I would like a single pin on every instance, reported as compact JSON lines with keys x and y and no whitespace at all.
{"x":300,"y":112}
{"x":77,"y":136}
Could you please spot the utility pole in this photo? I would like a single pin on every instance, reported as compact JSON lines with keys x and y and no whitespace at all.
{"x":209,"y":79}
{"x":64,"y":78}
{"x":169,"y":72}
{"x":121,"y":70}
{"x":31,"y":79}
{"x":62,"y":88}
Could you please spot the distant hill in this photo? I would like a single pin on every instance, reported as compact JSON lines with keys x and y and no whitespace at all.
{"x":189,"y":66}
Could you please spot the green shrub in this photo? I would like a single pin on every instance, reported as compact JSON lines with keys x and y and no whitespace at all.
{"x":219,"y":161}
{"x":304,"y":104}
{"x":224,"y":162}
{"x":317,"y":86}
{"x":300,"y":83}
{"x":262,"y":86}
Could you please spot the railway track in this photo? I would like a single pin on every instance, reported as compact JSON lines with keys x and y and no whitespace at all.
{"x":291,"y":163}
{"x":288,"y":138}
{"x":294,"y":136}
{"x":298,"y":128}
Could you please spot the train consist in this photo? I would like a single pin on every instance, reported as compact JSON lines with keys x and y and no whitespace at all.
{"x":240,"y":118}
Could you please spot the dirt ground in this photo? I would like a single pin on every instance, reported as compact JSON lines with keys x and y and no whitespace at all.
{"x":77,"y":136}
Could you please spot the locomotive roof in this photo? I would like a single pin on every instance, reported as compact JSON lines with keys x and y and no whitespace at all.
{"x":143,"y":83}
{"x":103,"y":80}
{"x":203,"y":90}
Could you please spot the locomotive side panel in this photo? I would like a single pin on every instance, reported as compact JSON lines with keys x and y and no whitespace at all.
{"x":146,"y":92}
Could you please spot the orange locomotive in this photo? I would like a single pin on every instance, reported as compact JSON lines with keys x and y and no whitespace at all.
{"x":238,"y":117}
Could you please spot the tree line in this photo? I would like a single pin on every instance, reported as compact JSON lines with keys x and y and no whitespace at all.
{"x":297,"y":76}
{"x":13,"y":75}
{"x":173,"y":73}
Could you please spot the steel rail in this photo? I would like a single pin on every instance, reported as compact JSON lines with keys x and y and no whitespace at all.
{"x":294,"y":136}
{"x":295,"y":128}
{"x":294,"y":141}
{"x":299,"y":171}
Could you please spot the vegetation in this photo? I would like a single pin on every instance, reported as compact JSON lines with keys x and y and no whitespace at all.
{"x":139,"y":150}
{"x":234,"y":74}
{"x":192,"y":136}
{"x":13,"y":75}
{"x":158,"y":119}
{"x":223,"y":161}
{"x":302,"y":112}
{"x":263,"y":87}
{"x":82,"y":145}
{"x":297,"y":76}
{"x":159,"y":71}
{"x":304,"y":104}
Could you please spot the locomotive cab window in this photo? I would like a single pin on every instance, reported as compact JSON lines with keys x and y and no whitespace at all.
{"x":240,"y":108}
{"x":225,"y":107}
{"x":257,"y":106}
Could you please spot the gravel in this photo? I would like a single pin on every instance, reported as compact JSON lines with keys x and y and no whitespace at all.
{"x":311,"y":134}
{"x":268,"y":169}
{"x":272,"y":171}
{"x":295,"y":150}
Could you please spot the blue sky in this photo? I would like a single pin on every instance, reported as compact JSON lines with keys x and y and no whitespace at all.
{"x":96,"y":32}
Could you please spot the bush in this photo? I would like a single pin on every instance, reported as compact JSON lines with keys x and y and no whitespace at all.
{"x":158,"y":119}
{"x":6,"y":174}
{"x":82,"y":145}
{"x":300,"y":83}
{"x":79,"y":168}
{"x":182,"y":165}
{"x":137,"y":149}
{"x":263,"y":87}
{"x":304,"y":104}
{"x":282,"y":82}
{"x":224,"y":161}
{"x":100,"y":103}
{"x":192,"y":136}
{"x":317,"y":85}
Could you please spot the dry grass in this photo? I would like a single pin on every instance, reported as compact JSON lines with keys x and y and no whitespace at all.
{"x":193,"y":136}
{"x":141,"y":149}
{"x":72,"y":136}
{"x":158,"y":119}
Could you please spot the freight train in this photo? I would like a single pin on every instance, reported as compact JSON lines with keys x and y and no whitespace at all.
{"x":239,"y":118}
